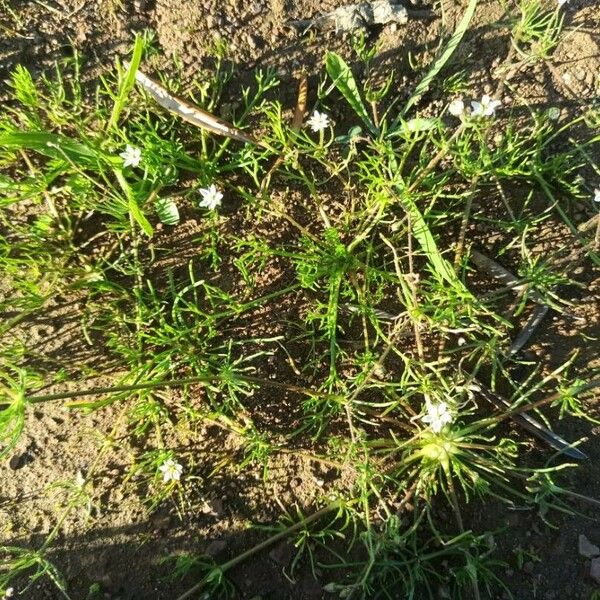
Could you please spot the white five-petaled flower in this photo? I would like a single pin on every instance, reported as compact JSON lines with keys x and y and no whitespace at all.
{"x":211,"y":197}
{"x":131,"y":156}
{"x":437,"y":416}
{"x":486,"y":108}
{"x":456,"y":107}
{"x":9,"y":593}
{"x":597,"y":195}
{"x":318,"y":121}
{"x":171,"y":470}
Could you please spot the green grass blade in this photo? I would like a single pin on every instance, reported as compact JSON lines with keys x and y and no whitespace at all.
{"x":343,"y":79}
{"x":423,"y":235}
{"x":55,"y":146}
{"x":442,"y":60}
{"x":134,"y":207}
{"x":126,"y":83}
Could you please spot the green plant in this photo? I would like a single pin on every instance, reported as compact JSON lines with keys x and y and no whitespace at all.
{"x":327,"y":304}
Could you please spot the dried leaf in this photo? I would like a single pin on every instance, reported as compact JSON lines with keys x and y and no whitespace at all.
{"x":189,"y":112}
{"x":300,"y":110}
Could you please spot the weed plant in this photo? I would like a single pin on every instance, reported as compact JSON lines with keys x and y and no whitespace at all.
{"x":393,"y":343}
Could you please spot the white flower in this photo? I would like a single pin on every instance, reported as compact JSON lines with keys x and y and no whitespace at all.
{"x":318,"y":121}
{"x":211,"y":197}
{"x":486,"y":108}
{"x":561,"y":2}
{"x":9,"y":593}
{"x":456,"y":107}
{"x":131,"y":156}
{"x":171,"y":470}
{"x":437,"y":416}
{"x":597,"y":195}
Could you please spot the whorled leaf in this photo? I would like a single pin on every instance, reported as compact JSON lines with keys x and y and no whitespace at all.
{"x":167,"y":211}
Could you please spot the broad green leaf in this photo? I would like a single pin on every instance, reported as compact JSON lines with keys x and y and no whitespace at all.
{"x":343,"y":79}
{"x":126,"y":82}
{"x":456,"y":38}
{"x":167,"y":211}
{"x":420,"y":124}
{"x":7,"y":183}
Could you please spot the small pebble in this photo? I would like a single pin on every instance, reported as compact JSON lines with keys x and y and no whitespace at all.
{"x":528,"y":567}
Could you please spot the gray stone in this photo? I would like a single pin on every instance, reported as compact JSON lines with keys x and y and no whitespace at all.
{"x":586,"y":548}
{"x":595,"y":570}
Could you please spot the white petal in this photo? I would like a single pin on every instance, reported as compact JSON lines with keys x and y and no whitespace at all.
{"x":456,"y":107}
{"x":476,"y":106}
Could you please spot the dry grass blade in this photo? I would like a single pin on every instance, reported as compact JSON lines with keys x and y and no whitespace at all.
{"x":189,"y":112}
{"x":297,"y":122}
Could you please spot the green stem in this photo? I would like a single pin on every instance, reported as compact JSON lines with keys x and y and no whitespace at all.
{"x":586,"y":245}
{"x":164,"y":384}
{"x":262,"y":545}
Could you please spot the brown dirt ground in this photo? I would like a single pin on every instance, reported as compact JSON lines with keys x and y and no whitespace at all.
{"x":119,"y":544}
